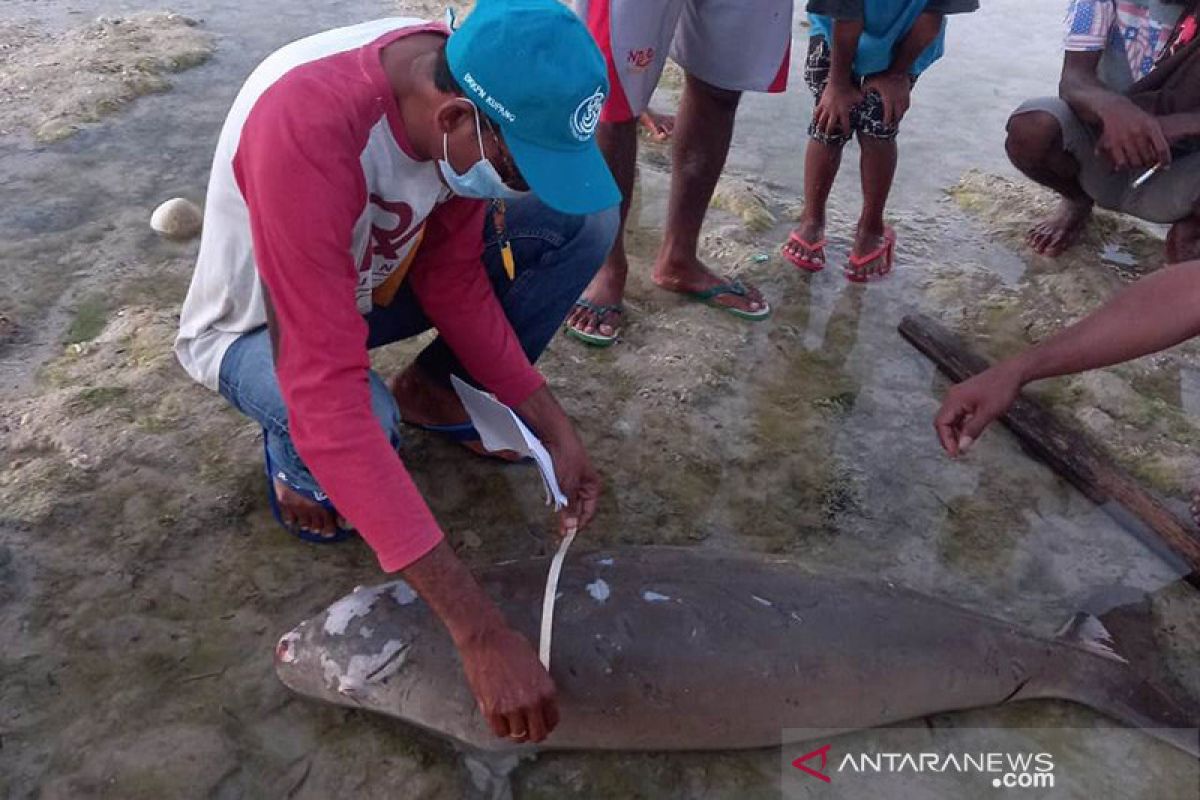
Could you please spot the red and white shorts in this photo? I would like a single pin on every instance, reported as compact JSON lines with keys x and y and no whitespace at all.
{"x":741,"y":45}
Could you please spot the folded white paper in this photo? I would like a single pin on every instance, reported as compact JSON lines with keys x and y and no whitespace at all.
{"x":501,"y":429}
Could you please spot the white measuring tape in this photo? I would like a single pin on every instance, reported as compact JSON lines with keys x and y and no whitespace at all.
{"x":549,"y":597}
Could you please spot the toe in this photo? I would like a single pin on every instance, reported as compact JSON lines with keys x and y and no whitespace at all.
{"x":311,"y":521}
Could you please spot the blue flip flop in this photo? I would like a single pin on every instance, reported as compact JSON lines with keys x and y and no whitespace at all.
{"x":342,"y":533}
{"x":733,"y":287}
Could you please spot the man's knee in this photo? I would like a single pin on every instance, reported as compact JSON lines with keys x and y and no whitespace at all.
{"x":1033,"y":137}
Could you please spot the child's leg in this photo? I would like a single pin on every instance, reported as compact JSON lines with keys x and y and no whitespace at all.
{"x":878,"y":167}
{"x":822,"y":158}
{"x":879,"y":154}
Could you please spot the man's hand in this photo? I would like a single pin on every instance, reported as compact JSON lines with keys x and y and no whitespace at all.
{"x":514,"y":691}
{"x":832,"y":114}
{"x":1131,"y":138}
{"x":512,"y":688}
{"x":577,"y":478}
{"x":895,"y":90}
{"x":972,"y":405}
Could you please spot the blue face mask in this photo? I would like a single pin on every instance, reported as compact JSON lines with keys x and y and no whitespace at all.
{"x":481,"y":181}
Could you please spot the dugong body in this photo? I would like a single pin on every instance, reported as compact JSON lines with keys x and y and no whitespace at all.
{"x":678,"y":649}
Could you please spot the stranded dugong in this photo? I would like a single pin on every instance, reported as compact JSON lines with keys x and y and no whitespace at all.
{"x":659,"y":648}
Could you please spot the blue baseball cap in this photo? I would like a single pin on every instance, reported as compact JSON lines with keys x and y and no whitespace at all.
{"x":533,"y":68}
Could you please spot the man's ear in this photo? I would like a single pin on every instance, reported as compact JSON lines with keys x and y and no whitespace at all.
{"x":452,"y":113}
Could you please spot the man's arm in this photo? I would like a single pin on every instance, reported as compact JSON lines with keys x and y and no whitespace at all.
{"x":454,"y":291}
{"x":514,"y":691}
{"x":1157,"y":312}
{"x":1130,"y":137}
{"x":1080,"y":85}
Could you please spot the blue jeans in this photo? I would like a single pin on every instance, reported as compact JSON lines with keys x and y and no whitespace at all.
{"x":556,"y":256}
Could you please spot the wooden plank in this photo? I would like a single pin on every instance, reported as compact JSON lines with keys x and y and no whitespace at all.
{"x":1067,"y":451}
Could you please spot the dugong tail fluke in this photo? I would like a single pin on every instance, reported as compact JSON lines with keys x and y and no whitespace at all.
{"x":660,"y":648}
{"x":488,"y":774}
{"x":1111,"y":684}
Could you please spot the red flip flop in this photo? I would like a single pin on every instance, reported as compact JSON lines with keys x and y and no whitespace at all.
{"x":806,"y":264}
{"x":887,"y":251}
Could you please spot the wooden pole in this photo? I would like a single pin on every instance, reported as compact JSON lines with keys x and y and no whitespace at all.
{"x":1066,"y":451}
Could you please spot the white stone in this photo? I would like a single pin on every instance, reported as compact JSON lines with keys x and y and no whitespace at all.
{"x":177,"y":219}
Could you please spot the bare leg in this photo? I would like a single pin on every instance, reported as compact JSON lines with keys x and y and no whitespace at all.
{"x":878,"y":167}
{"x":821,"y":164}
{"x":704,"y":127}
{"x":618,"y":142}
{"x":1035,"y":147}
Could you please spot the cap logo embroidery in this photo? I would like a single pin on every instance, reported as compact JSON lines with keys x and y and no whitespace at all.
{"x":587,"y":116}
{"x":488,"y":99}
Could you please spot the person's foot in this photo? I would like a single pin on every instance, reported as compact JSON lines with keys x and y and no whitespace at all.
{"x":298,"y":511}
{"x":811,"y":232}
{"x":423,"y":401}
{"x":660,"y":126}
{"x":604,"y":292}
{"x":687,"y":275}
{"x":1195,"y":507}
{"x":1183,"y":240}
{"x":1060,"y":230}
{"x":870,"y":255}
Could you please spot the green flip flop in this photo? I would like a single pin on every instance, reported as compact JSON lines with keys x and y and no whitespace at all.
{"x":596,"y":339}
{"x":736,"y":287}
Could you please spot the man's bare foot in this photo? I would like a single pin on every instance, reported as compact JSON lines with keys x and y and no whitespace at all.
{"x":1183,"y":240}
{"x":423,"y":401}
{"x":1061,"y":229}
{"x":660,"y":126}
{"x":686,"y":275}
{"x":298,"y":511}
{"x":604,"y":292}
{"x":813,"y":233}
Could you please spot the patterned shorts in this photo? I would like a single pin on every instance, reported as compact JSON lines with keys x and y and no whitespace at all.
{"x":866,"y":118}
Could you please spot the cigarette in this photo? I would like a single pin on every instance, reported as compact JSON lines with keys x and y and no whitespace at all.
{"x":1145,"y":176}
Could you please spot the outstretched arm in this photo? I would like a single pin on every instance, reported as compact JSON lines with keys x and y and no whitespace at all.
{"x":1157,"y":312}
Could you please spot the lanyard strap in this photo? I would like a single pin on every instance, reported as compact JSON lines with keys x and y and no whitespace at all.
{"x":506,"y":253}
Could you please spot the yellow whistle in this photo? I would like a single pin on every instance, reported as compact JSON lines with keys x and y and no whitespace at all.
{"x":510,"y":264}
